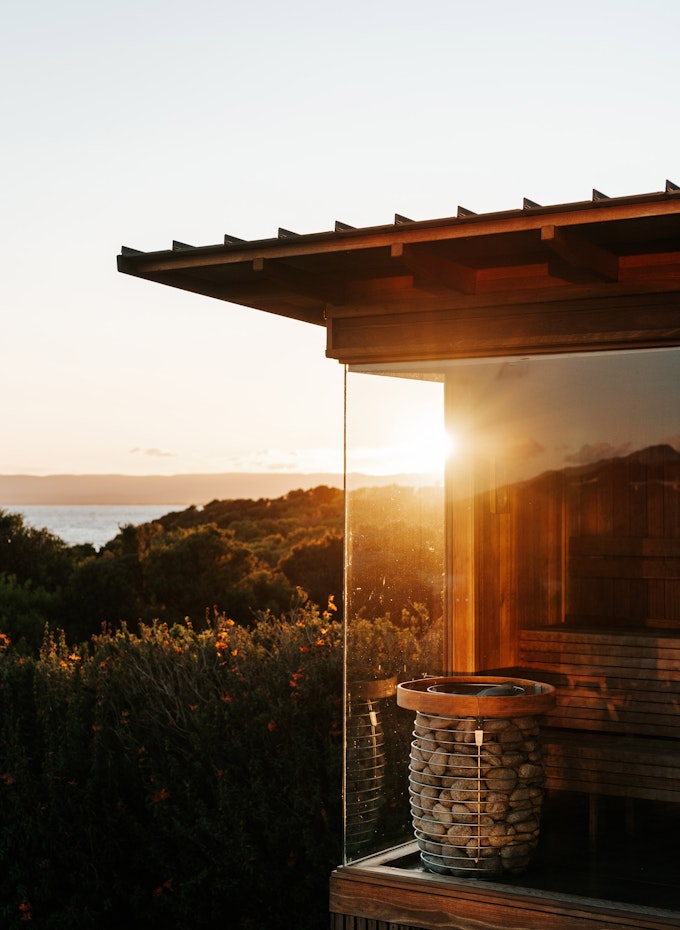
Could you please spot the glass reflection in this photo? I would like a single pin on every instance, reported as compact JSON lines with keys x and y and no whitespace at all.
{"x":557,"y":502}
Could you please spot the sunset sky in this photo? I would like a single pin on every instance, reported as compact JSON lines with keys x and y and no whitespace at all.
{"x":139,"y":123}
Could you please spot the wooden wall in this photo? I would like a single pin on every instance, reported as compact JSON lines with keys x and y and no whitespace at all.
{"x":624,"y":541}
{"x":595,"y":545}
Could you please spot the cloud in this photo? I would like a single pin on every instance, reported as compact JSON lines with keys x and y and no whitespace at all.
{"x":154,"y":453}
{"x":315,"y":459}
{"x":596,"y":452}
{"x":524,"y":448}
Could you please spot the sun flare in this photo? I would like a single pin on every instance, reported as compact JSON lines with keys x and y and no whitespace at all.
{"x":420,"y":446}
{"x":423,"y":450}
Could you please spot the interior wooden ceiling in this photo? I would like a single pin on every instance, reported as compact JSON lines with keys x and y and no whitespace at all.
{"x":595,"y":248}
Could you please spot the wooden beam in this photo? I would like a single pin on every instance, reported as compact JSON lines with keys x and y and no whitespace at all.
{"x":666,"y":211}
{"x":580,"y":253}
{"x":425,"y":263}
{"x":655,"y":266}
{"x":473,"y":330}
{"x":291,"y":279}
{"x":387,"y":290}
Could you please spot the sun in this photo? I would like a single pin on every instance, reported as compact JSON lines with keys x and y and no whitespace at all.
{"x":423,"y":448}
{"x":412,"y":446}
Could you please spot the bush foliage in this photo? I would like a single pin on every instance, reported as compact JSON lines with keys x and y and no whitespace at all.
{"x":238,"y":557}
{"x":188,"y":775}
{"x":171,"y":777}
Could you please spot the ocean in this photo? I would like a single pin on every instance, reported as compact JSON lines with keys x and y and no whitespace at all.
{"x":88,"y":523}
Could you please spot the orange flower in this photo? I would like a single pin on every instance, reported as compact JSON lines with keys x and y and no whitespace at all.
{"x":271,"y":726}
{"x":161,"y":795}
{"x":166,"y":886}
{"x":26,"y":910}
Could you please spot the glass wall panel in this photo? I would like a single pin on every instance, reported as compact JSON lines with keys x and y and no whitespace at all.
{"x":395,"y":451}
{"x":564,"y":497}
{"x":486,"y":498}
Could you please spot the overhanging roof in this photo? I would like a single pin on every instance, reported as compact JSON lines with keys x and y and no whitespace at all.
{"x":457,"y":285}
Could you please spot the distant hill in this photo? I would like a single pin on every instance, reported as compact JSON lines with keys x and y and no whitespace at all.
{"x":169,"y":489}
{"x":152,"y":489}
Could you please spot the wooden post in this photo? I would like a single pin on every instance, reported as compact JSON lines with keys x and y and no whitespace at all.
{"x":460,"y":636}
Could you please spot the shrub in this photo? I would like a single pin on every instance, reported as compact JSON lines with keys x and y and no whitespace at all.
{"x":173,"y":777}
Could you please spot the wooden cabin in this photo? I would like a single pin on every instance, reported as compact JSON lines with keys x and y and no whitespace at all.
{"x":546,"y":544}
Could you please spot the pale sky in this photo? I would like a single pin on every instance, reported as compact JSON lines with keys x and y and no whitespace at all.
{"x":139,"y":123}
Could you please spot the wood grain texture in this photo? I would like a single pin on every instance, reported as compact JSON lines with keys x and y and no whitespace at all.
{"x":400,"y":900}
{"x":615,"y":726}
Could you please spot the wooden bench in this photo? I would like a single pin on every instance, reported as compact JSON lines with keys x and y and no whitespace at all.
{"x":615,"y":727}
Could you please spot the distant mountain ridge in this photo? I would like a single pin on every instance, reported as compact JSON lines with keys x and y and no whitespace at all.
{"x":186,"y":489}
{"x":197,"y":489}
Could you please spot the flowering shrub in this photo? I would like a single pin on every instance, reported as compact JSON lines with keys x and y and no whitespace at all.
{"x":173,"y":777}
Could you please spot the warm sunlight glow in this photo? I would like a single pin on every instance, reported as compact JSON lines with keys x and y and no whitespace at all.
{"x":414,"y":446}
{"x":422,"y":450}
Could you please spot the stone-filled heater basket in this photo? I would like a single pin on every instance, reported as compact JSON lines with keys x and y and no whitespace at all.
{"x":476,"y":778}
